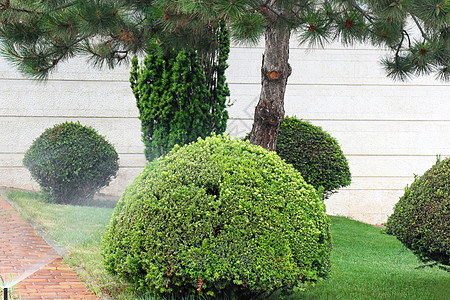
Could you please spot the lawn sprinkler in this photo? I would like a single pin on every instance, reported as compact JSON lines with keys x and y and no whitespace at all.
{"x":5,"y":293}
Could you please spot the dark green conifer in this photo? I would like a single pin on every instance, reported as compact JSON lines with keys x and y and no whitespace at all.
{"x":180,"y":98}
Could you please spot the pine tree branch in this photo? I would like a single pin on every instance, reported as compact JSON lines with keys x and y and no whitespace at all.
{"x":75,"y":42}
{"x":363,"y":12}
{"x":444,"y":61}
{"x":270,"y":6}
{"x":297,"y":15}
{"x":14,"y":54}
{"x":42,"y":72}
{"x":54,"y":63}
{"x":404,"y":32}
{"x":23,"y":10}
{"x":118,"y":54}
{"x":420,"y":27}
{"x":280,"y":14}
{"x":67,"y":5}
{"x":399,"y":46}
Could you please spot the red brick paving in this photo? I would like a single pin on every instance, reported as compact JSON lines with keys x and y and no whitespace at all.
{"x":23,"y":252}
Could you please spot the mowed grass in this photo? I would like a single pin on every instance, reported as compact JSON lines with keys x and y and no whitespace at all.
{"x":366,"y":263}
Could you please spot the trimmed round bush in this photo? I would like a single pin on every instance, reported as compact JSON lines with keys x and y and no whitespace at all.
{"x":218,"y":217}
{"x":71,"y":162}
{"x":421,"y":218}
{"x":315,"y":153}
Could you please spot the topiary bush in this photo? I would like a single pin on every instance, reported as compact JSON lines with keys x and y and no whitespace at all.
{"x":218,"y":217}
{"x":71,"y":162}
{"x":315,"y":153}
{"x":421,"y":218}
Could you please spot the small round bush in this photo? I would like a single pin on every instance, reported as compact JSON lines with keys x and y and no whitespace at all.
{"x":71,"y":162}
{"x":219,"y":217}
{"x":314,"y":153}
{"x":421,"y":218}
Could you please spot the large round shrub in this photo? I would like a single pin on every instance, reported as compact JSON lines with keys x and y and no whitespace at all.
{"x":218,"y":216}
{"x":315,"y":153}
{"x":421,"y":218}
{"x":71,"y":162}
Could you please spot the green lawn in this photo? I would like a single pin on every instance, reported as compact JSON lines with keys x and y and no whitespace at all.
{"x":367,"y":264}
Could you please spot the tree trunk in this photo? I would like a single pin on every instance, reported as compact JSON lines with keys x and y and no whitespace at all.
{"x":275,"y":70}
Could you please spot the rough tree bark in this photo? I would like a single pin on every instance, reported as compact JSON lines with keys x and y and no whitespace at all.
{"x":275,"y":70}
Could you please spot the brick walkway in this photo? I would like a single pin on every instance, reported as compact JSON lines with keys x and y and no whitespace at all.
{"x":28,"y":259}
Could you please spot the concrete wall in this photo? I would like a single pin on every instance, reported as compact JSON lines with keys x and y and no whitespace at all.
{"x":388,"y":130}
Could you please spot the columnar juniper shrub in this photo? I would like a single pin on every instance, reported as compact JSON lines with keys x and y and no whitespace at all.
{"x":181,"y":96}
{"x":219,"y":217}
{"x":421,"y":218}
{"x":71,"y":162}
{"x":315,"y":153}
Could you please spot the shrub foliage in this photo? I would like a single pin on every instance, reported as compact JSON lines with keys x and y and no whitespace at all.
{"x":71,"y":162}
{"x":219,"y":216}
{"x":181,"y":96}
{"x":421,"y":218}
{"x":315,"y":153}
